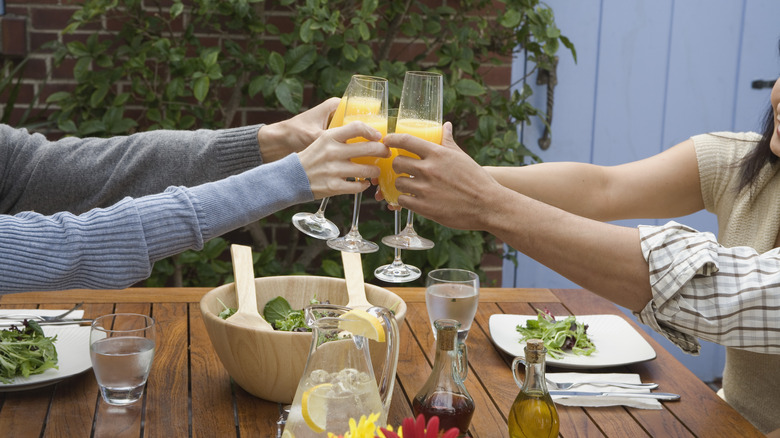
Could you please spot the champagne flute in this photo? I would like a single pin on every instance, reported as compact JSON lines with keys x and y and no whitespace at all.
{"x":420,"y":114}
{"x":397,"y":271}
{"x":316,"y":224}
{"x":366,"y":101}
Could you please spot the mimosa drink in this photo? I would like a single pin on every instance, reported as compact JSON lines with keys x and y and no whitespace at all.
{"x":425,"y":129}
{"x":368,"y":111}
{"x":338,"y":116}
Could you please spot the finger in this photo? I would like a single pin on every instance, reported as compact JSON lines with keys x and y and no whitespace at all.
{"x":410,"y":143}
{"x":329,"y":108}
{"x":354,"y":130}
{"x":408,"y":165}
{"x":446,"y":136}
{"x":344,"y":187}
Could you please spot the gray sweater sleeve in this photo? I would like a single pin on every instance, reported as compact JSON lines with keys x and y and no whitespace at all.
{"x":116,"y":247}
{"x":76,"y":175}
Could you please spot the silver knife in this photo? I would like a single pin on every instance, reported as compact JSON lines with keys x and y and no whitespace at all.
{"x":655,"y":395}
{"x":42,"y":323}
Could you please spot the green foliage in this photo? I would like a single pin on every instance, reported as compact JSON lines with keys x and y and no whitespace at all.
{"x":193,"y":64}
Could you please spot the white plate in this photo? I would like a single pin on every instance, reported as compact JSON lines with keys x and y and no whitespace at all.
{"x":72,"y":346}
{"x":617,"y":343}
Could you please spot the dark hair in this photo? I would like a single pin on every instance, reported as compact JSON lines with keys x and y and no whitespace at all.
{"x":761,"y":154}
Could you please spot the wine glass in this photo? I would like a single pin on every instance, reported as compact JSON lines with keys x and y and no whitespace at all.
{"x":397,"y":271}
{"x":316,"y":224}
{"x":366,"y":101}
{"x":420,"y":114}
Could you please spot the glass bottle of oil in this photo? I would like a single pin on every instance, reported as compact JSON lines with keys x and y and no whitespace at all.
{"x":444,"y":394}
{"x":533,"y":413}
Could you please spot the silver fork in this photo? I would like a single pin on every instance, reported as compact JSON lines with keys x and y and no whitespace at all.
{"x":21,"y":316}
{"x":568,"y":385}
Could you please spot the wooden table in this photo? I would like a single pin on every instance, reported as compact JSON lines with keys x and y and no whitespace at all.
{"x":190,"y":394}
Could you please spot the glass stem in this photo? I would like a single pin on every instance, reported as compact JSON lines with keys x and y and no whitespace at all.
{"x":409,"y":220}
{"x":321,"y":211}
{"x":355,"y":213}
{"x":397,"y":259}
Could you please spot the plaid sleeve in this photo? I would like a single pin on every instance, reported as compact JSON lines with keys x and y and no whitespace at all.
{"x":730,"y":296}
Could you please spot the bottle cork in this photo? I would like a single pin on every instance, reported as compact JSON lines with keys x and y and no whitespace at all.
{"x":534,"y":350}
{"x":446,"y":333}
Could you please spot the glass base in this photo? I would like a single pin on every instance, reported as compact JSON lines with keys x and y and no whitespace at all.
{"x":351,"y":244}
{"x":407,"y":241}
{"x":315,"y":226}
{"x":397,"y":273}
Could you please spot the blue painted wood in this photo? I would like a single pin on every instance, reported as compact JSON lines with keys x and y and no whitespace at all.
{"x":650,"y":74}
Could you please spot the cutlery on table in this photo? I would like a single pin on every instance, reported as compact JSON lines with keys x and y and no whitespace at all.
{"x":21,"y":316}
{"x":60,"y":322}
{"x":655,"y":395}
{"x":568,"y":385}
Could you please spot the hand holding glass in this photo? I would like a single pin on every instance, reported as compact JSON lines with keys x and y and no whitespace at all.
{"x":366,"y":101}
{"x":121,"y":347}
{"x":419,"y":114}
{"x":397,"y":271}
{"x":316,"y":224}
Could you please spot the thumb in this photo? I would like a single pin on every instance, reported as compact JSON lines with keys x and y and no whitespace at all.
{"x":446,"y":136}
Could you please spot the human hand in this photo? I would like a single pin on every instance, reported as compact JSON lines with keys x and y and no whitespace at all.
{"x":379,"y":196}
{"x":280,"y":139}
{"x":448,"y":187}
{"x":327,"y":160}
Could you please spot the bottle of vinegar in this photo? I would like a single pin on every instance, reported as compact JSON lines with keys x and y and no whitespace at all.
{"x":533,"y":413}
{"x":444,"y":394}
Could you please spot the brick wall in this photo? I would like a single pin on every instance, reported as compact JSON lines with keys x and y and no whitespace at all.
{"x":28,"y":25}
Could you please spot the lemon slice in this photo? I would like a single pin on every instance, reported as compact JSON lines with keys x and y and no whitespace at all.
{"x":361,"y":323}
{"x":314,"y":405}
{"x":287,"y":434}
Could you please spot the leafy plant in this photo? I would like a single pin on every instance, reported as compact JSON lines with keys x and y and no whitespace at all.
{"x":194,"y":63}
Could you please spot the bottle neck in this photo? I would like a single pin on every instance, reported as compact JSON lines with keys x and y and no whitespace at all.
{"x":534,"y":377}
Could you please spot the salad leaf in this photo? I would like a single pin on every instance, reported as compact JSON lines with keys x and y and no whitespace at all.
{"x":279,"y":314}
{"x":558,"y":336}
{"x":276,"y":309}
{"x":25,"y":351}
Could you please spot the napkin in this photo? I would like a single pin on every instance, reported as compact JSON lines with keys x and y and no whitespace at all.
{"x":76,"y":314}
{"x":641,"y":403}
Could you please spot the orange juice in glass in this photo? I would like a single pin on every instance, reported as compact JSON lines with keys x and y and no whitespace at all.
{"x":429,"y":130}
{"x":369,"y":111}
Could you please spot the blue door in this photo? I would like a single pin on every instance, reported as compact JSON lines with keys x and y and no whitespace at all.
{"x":650,"y":74}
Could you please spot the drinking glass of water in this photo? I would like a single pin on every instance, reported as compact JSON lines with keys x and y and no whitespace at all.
{"x":452,"y":294}
{"x":121,"y":346}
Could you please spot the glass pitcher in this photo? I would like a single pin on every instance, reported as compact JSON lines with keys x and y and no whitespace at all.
{"x":338,"y":382}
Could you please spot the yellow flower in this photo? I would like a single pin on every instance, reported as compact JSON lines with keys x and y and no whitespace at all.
{"x":363,"y":429}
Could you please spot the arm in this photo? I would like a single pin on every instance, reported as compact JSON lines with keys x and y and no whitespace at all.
{"x":452,"y":189}
{"x":680,"y":282}
{"x":78,"y":174}
{"x":664,"y":185}
{"x":117,"y":246}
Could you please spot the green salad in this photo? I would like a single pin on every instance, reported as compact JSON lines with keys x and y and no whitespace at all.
{"x":25,"y":350}
{"x":279,"y":314}
{"x":566,"y":335}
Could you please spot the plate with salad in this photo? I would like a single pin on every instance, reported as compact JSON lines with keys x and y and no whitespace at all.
{"x":66,"y":354}
{"x":582,"y":341}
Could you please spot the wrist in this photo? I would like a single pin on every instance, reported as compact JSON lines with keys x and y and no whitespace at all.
{"x":272,"y":142}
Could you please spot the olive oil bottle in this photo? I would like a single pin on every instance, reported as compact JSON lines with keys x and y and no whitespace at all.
{"x":533,"y":413}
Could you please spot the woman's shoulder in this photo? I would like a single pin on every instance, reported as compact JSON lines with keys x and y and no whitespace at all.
{"x":725,"y":146}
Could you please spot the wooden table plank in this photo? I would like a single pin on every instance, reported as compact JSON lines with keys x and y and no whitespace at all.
{"x":167,"y":406}
{"x":212,"y":400}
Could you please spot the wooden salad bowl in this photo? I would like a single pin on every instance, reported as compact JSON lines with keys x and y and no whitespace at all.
{"x":269,"y":364}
